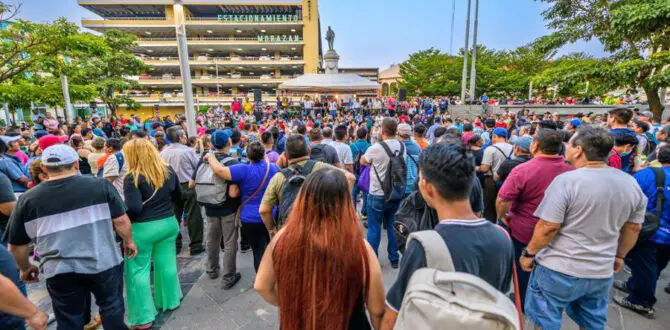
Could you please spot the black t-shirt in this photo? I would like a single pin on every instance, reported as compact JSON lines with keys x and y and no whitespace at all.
{"x":506,"y":167}
{"x":6,"y":195}
{"x":231,"y":204}
{"x":477,"y":247}
{"x":324,"y":153}
{"x":144,"y":205}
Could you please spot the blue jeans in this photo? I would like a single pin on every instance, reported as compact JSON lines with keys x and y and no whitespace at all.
{"x":70,"y":296}
{"x":9,"y":269}
{"x":21,"y":285}
{"x":646,"y":262}
{"x":379,"y":211}
{"x":354,"y":195}
{"x":550,"y":292}
{"x":333,"y":114}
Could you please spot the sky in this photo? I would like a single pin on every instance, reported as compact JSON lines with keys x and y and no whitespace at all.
{"x":378,"y":33}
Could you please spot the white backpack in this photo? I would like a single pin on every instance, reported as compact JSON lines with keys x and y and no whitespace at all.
{"x":209,"y":188}
{"x":438,"y":297}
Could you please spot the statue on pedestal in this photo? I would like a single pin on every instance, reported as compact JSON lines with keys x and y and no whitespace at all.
{"x":330,"y":37}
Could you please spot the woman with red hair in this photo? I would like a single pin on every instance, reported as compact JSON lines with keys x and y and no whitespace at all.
{"x":319,"y":269}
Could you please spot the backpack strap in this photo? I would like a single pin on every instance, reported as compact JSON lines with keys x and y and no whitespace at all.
{"x":502,"y":152}
{"x":660,"y":189}
{"x":437,"y":252}
{"x":309,"y":166}
{"x":515,"y":280}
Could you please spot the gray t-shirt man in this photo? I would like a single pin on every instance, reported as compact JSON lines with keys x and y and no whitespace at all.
{"x":379,"y":161}
{"x":343,"y":152}
{"x":591,"y":204}
{"x":496,"y":154}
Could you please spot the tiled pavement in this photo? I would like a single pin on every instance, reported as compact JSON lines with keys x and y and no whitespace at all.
{"x":207,"y":306}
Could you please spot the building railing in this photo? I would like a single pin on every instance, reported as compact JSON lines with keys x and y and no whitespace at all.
{"x":259,"y":39}
{"x":213,"y":77}
{"x":225,"y":58}
{"x":125,"y":18}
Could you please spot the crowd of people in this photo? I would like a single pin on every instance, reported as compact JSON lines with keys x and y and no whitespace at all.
{"x":537,"y":206}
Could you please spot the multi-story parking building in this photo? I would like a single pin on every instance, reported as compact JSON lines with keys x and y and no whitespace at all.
{"x":234,"y":46}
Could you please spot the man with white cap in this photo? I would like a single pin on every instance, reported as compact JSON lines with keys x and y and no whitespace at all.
{"x":72,"y":219}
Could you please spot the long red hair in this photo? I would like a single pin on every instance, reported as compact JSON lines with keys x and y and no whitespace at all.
{"x":320,"y":261}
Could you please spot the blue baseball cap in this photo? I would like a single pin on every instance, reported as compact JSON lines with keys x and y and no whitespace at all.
{"x":220,"y":139}
{"x":523,"y":142}
{"x":500,"y":132}
{"x":575,"y":123}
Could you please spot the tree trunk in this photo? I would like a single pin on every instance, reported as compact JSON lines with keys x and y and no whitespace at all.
{"x":654,"y":100}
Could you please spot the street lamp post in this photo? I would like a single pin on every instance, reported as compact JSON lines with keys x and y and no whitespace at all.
{"x":184,"y":66}
{"x":465,"y":54}
{"x":473,"y":72}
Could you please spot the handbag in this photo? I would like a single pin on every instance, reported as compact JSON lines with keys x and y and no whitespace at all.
{"x":652,"y":221}
{"x":238,"y":222}
{"x":363,"y":183}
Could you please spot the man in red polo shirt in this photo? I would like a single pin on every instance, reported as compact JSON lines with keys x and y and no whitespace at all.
{"x":523,"y":191}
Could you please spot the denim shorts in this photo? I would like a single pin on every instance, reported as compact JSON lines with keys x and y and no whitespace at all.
{"x":550,"y":293}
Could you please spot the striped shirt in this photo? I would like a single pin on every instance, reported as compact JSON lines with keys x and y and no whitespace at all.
{"x":70,"y":220}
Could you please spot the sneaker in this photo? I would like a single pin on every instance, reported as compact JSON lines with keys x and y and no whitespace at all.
{"x":213,"y":274}
{"x":647,"y":312}
{"x":231,"y":284}
{"x":621,"y":286}
{"x":394,"y":264}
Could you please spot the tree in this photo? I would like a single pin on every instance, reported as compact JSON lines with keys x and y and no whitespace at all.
{"x":429,"y":72}
{"x":109,"y":72}
{"x":8,"y":11}
{"x":571,"y":73}
{"x":636,"y":32}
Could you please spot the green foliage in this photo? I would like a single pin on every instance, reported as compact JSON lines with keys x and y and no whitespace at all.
{"x":499,"y":73}
{"x":109,"y":72}
{"x":636,"y":32}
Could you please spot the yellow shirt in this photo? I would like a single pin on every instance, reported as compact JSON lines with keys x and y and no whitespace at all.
{"x":247,"y":107}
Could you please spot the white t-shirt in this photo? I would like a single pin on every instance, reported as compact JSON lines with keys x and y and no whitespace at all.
{"x":591,"y":204}
{"x":343,"y":152}
{"x":111,"y":168}
{"x":379,"y":161}
{"x":494,"y":157}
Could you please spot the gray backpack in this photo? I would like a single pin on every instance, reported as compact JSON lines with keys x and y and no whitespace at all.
{"x":438,"y":297}
{"x":210,"y":190}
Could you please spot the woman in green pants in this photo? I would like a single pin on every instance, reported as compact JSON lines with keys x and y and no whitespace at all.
{"x":150,"y":188}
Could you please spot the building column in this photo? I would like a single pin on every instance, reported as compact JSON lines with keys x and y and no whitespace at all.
{"x":310,"y":35}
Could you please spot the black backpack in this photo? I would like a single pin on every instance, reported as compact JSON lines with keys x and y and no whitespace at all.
{"x":395,"y":181}
{"x":295,"y":176}
{"x":357,"y":161}
{"x":318,"y":153}
{"x":413,"y":215}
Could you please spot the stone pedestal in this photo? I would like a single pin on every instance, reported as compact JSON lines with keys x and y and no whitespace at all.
{"x":331,"y":60}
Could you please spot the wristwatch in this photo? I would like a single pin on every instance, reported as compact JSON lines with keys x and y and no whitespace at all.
{"x":525,"y":254}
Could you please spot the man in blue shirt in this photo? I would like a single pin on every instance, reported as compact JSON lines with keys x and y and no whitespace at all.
{"x":412,"y":158}
{"x":437,"y":122}
{"x":648,"y":259}
{"x":10,"y":167}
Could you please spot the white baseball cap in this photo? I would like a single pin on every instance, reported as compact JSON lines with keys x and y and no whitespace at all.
{"x":59,"y":154}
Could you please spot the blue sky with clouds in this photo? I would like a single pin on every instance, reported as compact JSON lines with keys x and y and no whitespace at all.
{"x":377,"y":33}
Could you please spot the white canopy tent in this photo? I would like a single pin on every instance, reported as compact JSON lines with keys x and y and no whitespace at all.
{"x":340,"y":83}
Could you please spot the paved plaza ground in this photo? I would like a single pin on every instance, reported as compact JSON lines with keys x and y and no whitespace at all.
{"x":206,"y":306}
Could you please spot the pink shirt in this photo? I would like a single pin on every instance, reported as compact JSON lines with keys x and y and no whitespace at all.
{"x":525,"y":187}
{"x":22,"y":157}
